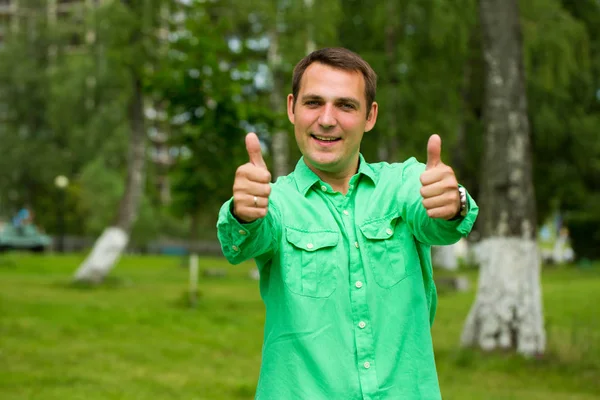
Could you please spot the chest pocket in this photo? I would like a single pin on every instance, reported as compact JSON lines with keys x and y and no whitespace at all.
{"x":309,"y":262}
{"x":390,"y":250}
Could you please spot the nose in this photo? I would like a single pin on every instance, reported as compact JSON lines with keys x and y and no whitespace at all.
{"x":327,"y":117}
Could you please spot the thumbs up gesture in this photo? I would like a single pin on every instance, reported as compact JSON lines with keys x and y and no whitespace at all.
{"x":439,"y":187}
{"x":251,"y":187}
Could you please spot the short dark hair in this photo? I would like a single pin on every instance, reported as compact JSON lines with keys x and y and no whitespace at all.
{"x":341,"y":58}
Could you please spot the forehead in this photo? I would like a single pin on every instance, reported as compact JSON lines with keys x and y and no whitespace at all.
{"x":328,"y":82}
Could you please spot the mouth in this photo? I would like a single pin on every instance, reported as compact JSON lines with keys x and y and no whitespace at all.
{"x":325,"y":139}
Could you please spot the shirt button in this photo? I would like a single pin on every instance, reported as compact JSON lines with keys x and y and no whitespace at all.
{"x":346,"y":212}
{"x":358,"y":284}
{"x":362,"y":324}
{"x":242,"y":232}
{"x":324,"y":188}
{"x":309,"y":246}
{"x":234,"y":248}
{"x":367,"y":365}
{"x":389,"y":231}
{"x":356,"y":244}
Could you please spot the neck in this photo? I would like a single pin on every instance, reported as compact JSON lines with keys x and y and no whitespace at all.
{"x":339,"y":180}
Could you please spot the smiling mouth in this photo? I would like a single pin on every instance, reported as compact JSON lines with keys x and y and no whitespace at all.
{"x":326,"y":138}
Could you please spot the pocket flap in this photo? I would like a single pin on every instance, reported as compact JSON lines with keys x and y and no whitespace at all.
{"x":313,"y":240}
{"x":379,"y":230}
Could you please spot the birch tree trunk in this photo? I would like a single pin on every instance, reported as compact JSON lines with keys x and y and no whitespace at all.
{"x":310,"y":28}
{"x":388,"y":142}
{"x":507,"y":313}
{"x":280,"y":143}
{"x":113,"y":240}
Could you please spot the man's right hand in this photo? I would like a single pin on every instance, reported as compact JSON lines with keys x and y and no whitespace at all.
{"x":251,"y":188}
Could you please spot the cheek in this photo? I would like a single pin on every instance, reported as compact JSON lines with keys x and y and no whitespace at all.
{"x":305,"y":119}
{"x":352,"y":125}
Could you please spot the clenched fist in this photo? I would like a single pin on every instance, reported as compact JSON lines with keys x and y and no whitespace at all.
{"x":440,"y":193}
{"x":251,"y":187}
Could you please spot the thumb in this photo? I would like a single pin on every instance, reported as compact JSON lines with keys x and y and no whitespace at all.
{"x":434,"y":151}
{"x":254,"y":150}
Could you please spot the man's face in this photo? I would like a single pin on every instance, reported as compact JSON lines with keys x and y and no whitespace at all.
{"x":330,"y":118}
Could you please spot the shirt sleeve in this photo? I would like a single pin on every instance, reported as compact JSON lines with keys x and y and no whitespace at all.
{"x":431,"y":231}
{"x":241,"y":242}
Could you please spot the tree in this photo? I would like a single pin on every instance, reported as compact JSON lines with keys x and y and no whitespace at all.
{"x":205,"y":85}
{"x":507,"y":312}
{"x":139,"y":39}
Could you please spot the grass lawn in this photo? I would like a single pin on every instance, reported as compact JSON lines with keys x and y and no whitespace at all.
{"x":136,"y":337}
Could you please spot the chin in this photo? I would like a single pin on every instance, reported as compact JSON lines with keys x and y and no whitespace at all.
{"x":323,"y":163}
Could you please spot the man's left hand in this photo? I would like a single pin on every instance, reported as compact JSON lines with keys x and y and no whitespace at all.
{"x":440,"y":193}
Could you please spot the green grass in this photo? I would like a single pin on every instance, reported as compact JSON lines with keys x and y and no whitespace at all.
{"x":135,"y":337}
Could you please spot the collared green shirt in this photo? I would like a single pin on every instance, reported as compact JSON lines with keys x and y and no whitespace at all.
{"x":347,"y":284}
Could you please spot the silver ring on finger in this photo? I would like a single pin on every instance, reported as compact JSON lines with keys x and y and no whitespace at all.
{"x":255,"y":201}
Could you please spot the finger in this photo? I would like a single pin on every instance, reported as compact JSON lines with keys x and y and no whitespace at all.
{"x":259,"y":175}
{"x":441,"y":213}
{"x":250,"y":214}
{"x":434,"y":151}
{"x":252,"y":188}
{"x":259,"y":202}
{"x":444,"y":200}
{"x":254,"y":150}
{"x":432,"y":190}
{"x":250,"y":172}
{"x":437,"y":189}
{"x":442,"y":173}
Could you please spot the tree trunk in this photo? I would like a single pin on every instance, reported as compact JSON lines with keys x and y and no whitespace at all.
{"x":388,"y":144}
{"x":460,"y":149}
{"x":113,"y":241}
{"x":310,"y":28}
{"x":280,"y":144}
{"x":507,"y":313}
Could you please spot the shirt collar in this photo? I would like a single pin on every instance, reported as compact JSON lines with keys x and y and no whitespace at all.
{"x":306,"y":178}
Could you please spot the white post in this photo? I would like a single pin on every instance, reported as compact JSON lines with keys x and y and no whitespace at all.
{"x":193,"y":279}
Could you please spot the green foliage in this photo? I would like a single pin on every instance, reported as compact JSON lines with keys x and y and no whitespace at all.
{"x":207,"y":92}
{"x":99,"y":210}
{"x":66,"y":106}
{"x":419,"y":57}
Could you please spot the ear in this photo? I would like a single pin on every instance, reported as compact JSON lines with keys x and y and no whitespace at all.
{"x":372,"y":117}
{"x":290,"y":108}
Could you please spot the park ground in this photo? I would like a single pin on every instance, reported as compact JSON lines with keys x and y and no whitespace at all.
{"x":136,"y":336}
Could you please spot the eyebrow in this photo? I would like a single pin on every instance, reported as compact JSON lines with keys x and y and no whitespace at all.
{"x":351,"y":100}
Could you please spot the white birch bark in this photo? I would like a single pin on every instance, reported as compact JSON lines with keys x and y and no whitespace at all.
{"x":507,"y":312}
{"x":280,"y":141}
{"x":106,"y":252}
{"x":113,"y":241}
{"x":508,"y":309}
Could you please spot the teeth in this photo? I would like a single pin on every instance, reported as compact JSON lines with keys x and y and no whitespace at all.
{"x":325,"y":139}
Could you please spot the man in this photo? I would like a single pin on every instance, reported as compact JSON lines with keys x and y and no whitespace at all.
{"x":343,"y":246}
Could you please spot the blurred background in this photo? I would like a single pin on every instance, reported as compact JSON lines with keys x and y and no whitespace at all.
{"x":133,"y":114}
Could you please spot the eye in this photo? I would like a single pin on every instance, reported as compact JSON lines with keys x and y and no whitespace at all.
{"x":311,"y":103}
{"x":347,"y":106}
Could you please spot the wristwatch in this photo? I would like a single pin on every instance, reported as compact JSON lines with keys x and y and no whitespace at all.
{"x":463,"y":202}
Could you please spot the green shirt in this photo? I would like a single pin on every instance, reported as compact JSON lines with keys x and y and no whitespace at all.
{"x":347,"y":284}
